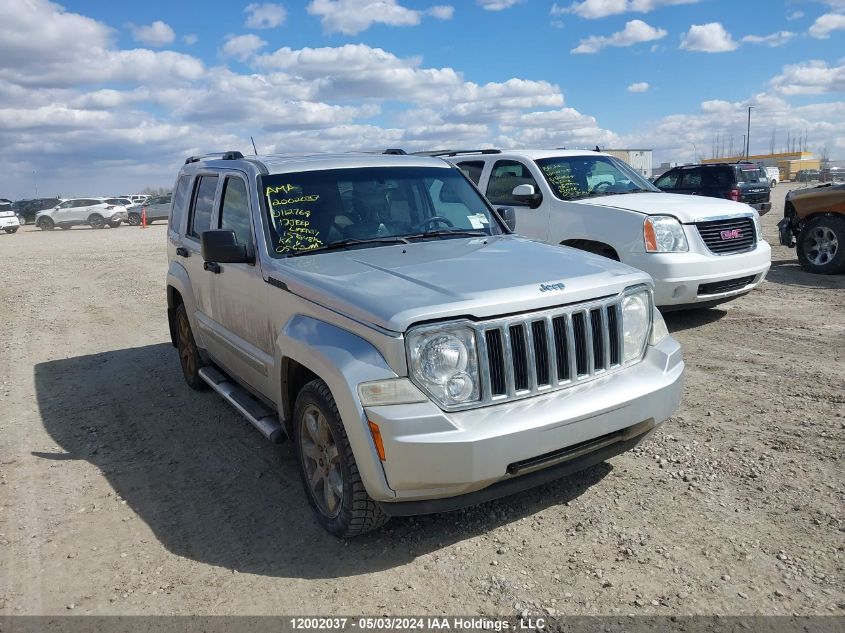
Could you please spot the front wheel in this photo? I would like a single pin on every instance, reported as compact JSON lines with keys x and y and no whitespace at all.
{"x":12,"y":230}
{"x":46,"y":224}
{"x":821,"y":245}
{"x":189,"y":355}
{"x":134,"y":219}
{"x":328,"y":469}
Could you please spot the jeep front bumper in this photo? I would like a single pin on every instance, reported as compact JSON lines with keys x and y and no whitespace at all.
{"x":437,"y":461}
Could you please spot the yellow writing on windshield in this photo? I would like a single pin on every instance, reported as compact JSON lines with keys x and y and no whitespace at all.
{"x":291,"y":218}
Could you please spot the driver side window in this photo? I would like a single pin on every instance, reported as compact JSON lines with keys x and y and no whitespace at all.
{"x":506,"y":175}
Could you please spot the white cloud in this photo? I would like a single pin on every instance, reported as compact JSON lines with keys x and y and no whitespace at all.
{"x":156,"y":34}
{"x":264,"y":15}
{"x":242,"y":47}
{"x":810,"y":78}
{"x":708,"y":38}
{"x":635,"y":32}
{"x":190,"y":39}
{"x":640,"y":86}
{"x":795,"y":15}
{"x":496,"y":5}
{"x":827,"y":23}
{"x":774,"y":39}
{"x":593,"y":9}
{"x":557,"y":10}
{"x":351,"y":17}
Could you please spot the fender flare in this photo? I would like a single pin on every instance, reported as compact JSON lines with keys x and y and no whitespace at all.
{"x":342,"y":360}
{"x":178,"y":280}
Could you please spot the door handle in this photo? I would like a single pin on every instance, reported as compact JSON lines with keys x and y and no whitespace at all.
{"x":181,"y":251}
{"x":212,"y":267}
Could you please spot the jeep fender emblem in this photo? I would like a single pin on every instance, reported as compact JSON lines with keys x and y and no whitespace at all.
{"x":551,"y":287}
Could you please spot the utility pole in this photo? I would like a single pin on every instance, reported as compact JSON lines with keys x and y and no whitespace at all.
{"x":748,"y":135}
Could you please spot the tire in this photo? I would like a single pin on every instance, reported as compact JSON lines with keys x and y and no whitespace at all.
{"x":12,"y":230}
{"x":115,"y":224}
{"x":821,"y":245}
{"x":46,"y":224}
{"x":189,"y":355}
{"x":134,"y":219}
{"x":320,"y":438}
{"x":22,"y":220}
{"x":96,"y":221}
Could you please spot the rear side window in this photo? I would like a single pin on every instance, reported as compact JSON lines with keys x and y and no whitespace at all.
{"x":180,"y":197}
{"x":234,"y":213}
{"x":200,"y":219}
{"x":472,"y":169}
{"x":506,"y":175}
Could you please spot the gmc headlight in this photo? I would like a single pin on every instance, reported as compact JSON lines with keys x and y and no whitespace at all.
{"x":758,"y":227}
{"x":664,"y":234}
{"x":636,"y":324}
{"x":443,"y":362}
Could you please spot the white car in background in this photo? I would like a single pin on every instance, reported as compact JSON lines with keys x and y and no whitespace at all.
{"x":94,"y":212}
{"x":699,"y":251}
{"x":8,"y":218}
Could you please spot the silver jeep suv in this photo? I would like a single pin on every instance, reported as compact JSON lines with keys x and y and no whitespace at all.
{"x":379,"y":312}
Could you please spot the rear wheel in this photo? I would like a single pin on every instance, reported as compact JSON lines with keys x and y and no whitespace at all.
{"x":96,"y":221}
{"x":328,"y":469}
{"x":134,"y":219}
{"x":189,"y":355}
{"x":46,"y":224}
{"x":11,"y":230}
{"x":821,"y":245}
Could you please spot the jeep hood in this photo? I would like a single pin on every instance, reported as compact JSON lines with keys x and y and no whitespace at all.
{"x":394,"y":287}
{"x":687,"y":209}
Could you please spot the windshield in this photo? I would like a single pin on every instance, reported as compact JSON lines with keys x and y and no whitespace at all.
{"x":574,"y":177}
{"x":368,"y":206}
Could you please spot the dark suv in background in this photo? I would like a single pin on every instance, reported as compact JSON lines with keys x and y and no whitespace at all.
{"x":26,"y":210}
{"x":742,"y":182}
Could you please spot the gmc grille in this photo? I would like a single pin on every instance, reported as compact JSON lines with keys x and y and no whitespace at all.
{"x":726,"y":237}
{"x":525,"y":355}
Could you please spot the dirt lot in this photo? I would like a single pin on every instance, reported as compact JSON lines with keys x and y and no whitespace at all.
{"x":124,"y":492}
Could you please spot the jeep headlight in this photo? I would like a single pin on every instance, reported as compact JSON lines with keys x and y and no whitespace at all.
{"x":664,"y":234}
{"x":636,"y":324}
{"x":444,"y":363}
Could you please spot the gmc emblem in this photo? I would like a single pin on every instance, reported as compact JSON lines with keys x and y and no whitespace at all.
{"x":733,"y":234}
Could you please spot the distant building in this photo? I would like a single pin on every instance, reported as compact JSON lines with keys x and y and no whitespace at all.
{"x":639,"y":159}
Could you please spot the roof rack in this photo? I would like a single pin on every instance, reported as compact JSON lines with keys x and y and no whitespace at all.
{"x":230,"y":155}
{"x":456,"y":152}
{"x":395,"y":151}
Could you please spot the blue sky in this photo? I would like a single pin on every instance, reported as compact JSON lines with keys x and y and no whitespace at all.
{"x":100,"y":95}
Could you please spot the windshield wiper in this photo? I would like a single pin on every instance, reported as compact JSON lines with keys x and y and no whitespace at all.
{"x":448,"y":232}
{"x":340,"y":244}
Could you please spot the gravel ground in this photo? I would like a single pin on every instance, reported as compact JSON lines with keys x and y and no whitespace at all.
{"x":124,"y":492}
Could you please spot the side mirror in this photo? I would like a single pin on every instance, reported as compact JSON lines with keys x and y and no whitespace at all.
{"x":525,"y":194}
{"x":509,"y":216}
{"x":221,"y":246}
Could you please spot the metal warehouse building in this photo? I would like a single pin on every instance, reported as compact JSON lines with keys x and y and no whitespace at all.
{"x":639,"y":159}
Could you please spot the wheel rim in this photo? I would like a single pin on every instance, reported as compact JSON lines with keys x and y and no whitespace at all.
{"x":97,"y":223}
{"x":186,"y":352}
{"x":821,"y":246}
{"x":321,"y":461}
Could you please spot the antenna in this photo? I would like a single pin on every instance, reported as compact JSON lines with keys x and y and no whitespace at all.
{"x":253,"y":145}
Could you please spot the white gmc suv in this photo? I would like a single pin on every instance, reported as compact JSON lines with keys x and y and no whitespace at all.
{"x":699,"y":251}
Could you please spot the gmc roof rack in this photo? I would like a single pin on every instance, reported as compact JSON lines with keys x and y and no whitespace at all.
{"x":232,"y":154}
{"x":395,"y":151}
{"x":456,"y":152}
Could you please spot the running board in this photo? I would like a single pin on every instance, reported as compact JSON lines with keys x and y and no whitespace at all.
{"x":256,"y":413}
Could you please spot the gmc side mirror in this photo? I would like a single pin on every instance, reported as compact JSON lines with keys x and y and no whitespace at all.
{"x":509,"y":216}
{"x":525,"y":194}
{"x":221,"y":246}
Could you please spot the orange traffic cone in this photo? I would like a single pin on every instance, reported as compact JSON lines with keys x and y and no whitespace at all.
{"x":143,"y":217}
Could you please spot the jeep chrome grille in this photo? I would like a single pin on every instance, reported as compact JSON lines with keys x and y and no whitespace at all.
{"x":525,"y":355}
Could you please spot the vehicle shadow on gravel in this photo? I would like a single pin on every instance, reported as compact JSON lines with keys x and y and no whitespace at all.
{"x":213,"y":490}
{"x":681,"y":320}
{"x":788,"y":272}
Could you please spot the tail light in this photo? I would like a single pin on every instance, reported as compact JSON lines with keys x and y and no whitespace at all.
{"x":734,"y":194}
